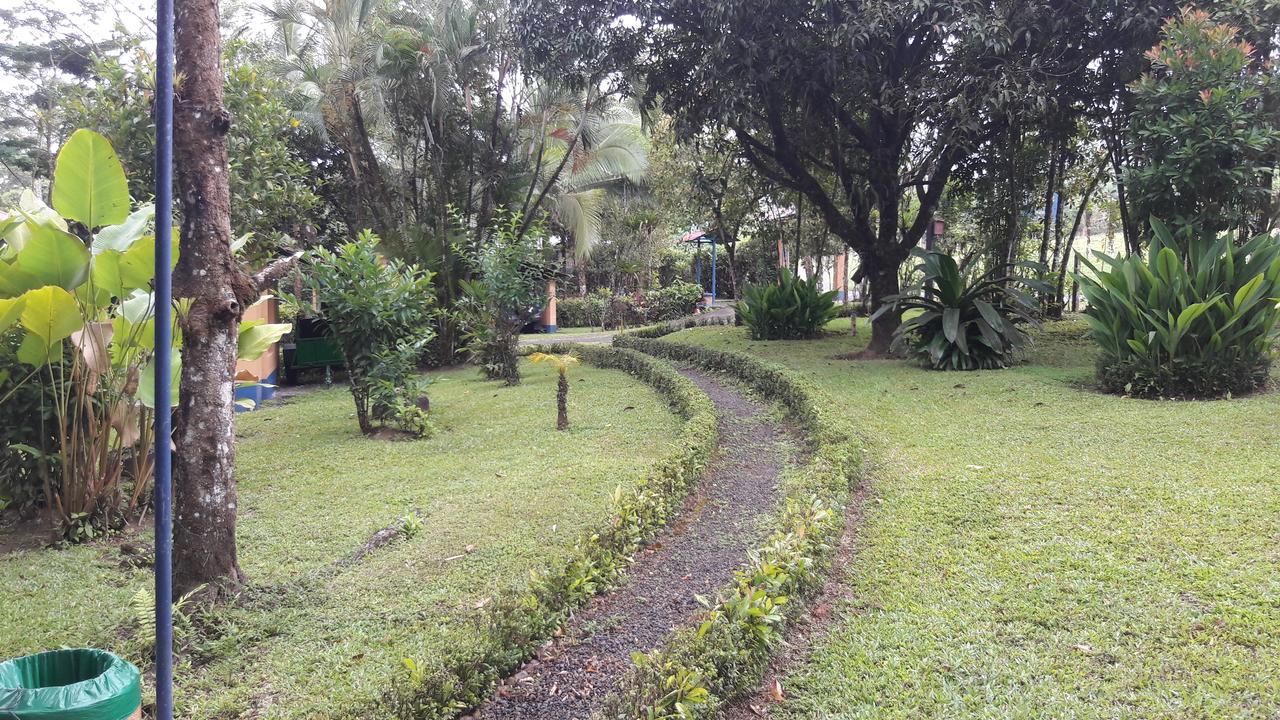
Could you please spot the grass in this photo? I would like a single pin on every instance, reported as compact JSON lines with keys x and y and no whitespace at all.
{"x":1033,"y":548}
{"x":500,"y":492}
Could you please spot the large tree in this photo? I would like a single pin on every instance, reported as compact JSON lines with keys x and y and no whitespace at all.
{"x":866,"y":109}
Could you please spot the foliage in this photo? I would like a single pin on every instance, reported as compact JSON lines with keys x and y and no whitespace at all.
{"x":605,"y":309}
{"x":866,"y":114}
{"x":562,"y":364}
{"x":272,"y":194}
{"x":379,"y":313}
{"x":788,"y":309}
{"x":964,"y":323}
{"x":27,"y":435}
{"x":76,"y":278}
{"x":509,"y":291}
{"x":1197,"y":318}
{"x":1203,"y":137}
{"x":695,"y":672}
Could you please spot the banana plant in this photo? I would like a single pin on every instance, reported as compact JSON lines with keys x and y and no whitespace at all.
{"x":76,"y":280}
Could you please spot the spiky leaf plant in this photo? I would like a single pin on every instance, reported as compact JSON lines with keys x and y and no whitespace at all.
{"x":1196,"y":318}
{"x":964,"y":322}
{"x":788,"y":309}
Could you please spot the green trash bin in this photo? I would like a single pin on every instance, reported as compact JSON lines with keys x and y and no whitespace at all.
{"x":79,"y":684}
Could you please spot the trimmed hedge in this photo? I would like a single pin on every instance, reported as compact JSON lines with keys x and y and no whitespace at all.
{"x":604,"y":309}
{"x":698,"y":670}
{"x":512,"y":628}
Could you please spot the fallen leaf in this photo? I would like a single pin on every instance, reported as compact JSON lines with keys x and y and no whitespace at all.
{"x":757,"y":710}
{"x":469,"y":549}
{"x":1083,"y":648}
{"x":775,"y":691}
{"x":482,"y":602}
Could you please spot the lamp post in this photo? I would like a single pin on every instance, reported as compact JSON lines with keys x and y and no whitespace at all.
{"x":163,"y":361}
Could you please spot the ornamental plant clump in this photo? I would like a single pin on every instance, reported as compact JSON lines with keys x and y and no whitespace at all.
{"x":963,"y":323}
{"x":1195,"y":319}
{"x":379,"y":312}
{"x":789,"y":309}
{"x":76,"y":285}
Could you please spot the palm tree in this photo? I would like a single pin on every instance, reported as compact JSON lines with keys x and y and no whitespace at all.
{"x":327,"y":49}
{"x":580,"y":149}
{"x":562,"y":364}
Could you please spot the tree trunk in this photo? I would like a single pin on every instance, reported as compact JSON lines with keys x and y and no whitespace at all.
{"x":204,"y":535}
{"x":883,"y":277}
{"x":562,"y":403}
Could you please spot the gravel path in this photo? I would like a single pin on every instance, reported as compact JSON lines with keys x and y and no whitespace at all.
{"x":696,"y":554}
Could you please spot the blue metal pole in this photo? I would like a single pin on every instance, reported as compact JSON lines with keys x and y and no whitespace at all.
{"x":163,"y":361}
{"x":713,"y":269}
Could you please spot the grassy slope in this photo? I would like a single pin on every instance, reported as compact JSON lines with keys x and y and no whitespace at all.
{"x":1035,"y":549}
{"x":496,"y":476}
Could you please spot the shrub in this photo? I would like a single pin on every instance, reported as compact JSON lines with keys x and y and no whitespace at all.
{"x":788,"y":309}
{"x":1195,"y":319}
{"x":963,"y":324}
{"x":1203,"y":134}
{"x":27,"y":437}
{"x":672,"y":302}
{"x":379,"y":314}
{"x":602,"y":308}
{"x":510,"y":290}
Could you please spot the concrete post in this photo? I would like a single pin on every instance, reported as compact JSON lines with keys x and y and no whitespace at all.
{"x":549,"y":312}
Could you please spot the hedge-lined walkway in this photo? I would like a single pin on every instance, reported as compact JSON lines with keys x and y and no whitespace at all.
{"x":697,"y":555}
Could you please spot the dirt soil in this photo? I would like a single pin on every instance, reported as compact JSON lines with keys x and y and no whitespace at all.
{"x":696,"y":554}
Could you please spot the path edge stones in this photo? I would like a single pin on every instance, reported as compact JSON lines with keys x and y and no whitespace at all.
{"x":705,"y":667}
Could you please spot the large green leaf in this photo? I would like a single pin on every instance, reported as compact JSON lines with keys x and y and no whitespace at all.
{"x":951,"y":323}
{"x":51,"y":313}
{"x":147,"y":381}
{"x":256,"y":336}
{"x":10,"y":311}
{"x":121,"y":237}
{"x":55,"y":257}
{"x":89,"y":183}
{"x":15,"y":281}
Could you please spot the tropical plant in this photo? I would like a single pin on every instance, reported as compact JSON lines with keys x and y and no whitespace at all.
{"x":509,"y":290}
{"x":562,"y":363}
{"x":788,"y":309}
{"x":76,"y":279}
{"x":1196,"y":318}
{"x":379,"y":312}
{"x":964,"y":323}
{"x":1204,"y":136}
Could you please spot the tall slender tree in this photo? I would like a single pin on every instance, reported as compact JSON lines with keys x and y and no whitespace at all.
{"x":218,"y":291}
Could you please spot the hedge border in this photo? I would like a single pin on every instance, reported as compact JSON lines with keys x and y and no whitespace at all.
{"x":512,"y":628}
{"x":698,"y":670}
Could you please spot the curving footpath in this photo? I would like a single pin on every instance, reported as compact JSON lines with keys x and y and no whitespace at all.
{"x":697,"y":554}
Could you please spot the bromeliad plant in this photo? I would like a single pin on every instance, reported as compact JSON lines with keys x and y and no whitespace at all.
{"x":788,"y":309}
{"x":962,"y":323}
{"x":76,"y":281}
{"x":562,"y":364}
{"x":1195,"y":319}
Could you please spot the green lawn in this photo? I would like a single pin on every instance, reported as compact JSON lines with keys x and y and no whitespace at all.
{"x":500,"y":492}
{"x":1036,"y":549}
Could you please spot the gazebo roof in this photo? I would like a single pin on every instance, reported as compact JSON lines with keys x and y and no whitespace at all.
{"x":697,"y":236}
